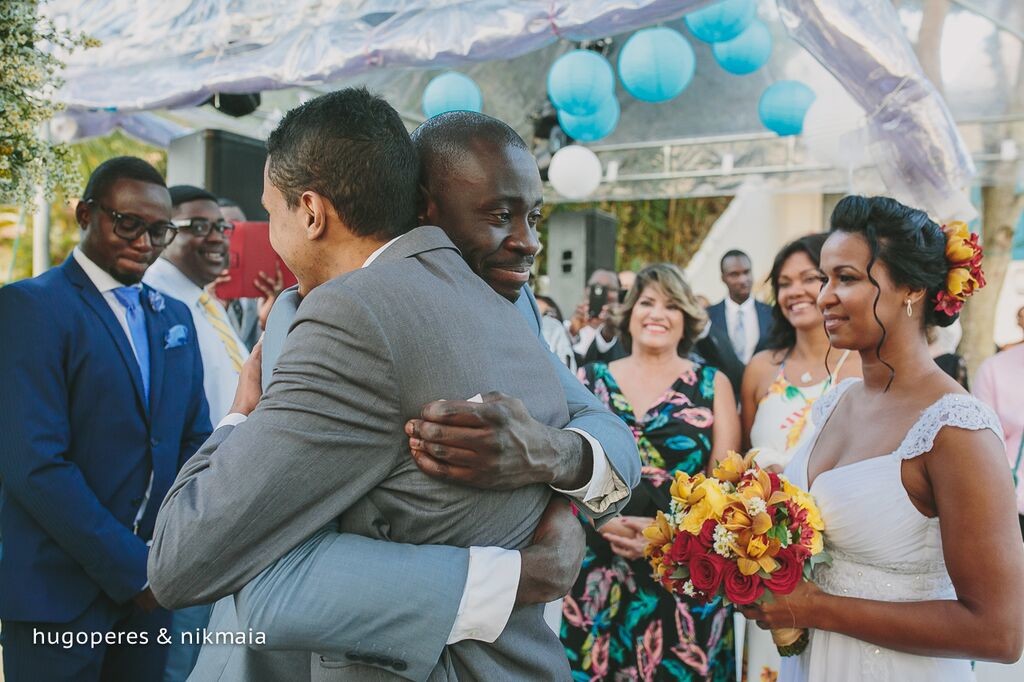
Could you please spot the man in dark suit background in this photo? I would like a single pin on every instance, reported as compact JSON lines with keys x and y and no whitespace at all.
{"x":102,"y":403}
{"x":739,"y":324}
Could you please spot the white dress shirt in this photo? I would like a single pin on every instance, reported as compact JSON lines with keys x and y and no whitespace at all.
{"x":751,"y":329}
{"x":220,"y":380}
{"x":493,"y":578}
{"x":105,"y":283}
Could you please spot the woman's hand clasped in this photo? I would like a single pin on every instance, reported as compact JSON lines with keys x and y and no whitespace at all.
{"x":625,"y":534}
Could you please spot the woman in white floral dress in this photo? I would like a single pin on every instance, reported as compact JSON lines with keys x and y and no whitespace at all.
{"x":908,"y":470}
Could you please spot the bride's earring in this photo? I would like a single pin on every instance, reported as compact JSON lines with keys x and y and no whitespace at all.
{"x":910,"y":310}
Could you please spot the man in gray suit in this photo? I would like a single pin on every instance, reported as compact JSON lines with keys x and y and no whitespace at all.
{"x":481,"y":185}
{"x":408,"y":347}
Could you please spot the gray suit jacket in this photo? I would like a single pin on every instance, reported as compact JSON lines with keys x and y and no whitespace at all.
{"x":365,"y":352}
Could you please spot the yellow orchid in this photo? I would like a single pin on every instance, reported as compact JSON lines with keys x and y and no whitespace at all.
{"x":755,"y":551}
{"x":659,"y":535}
{"x":683,"y":485}
{"x":737,"y":519}
{"x":733,"y":466}
{"x":958,"y":247}
{"x":959,"y":280}
{"x":759,"y":487}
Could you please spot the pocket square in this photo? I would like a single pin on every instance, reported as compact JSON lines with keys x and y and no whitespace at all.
{"x":176,"y":336}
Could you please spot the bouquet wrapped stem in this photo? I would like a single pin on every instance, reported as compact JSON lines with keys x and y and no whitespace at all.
{"x":743,"y":534}
{"x":790,"y":641}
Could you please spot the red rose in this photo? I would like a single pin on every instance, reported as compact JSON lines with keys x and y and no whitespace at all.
{"x":789,"y":572}
{"x":741,"y":589}
{"x":707,"y":533}
{"x":706,"y":572}
{"x":683,"y":547}
{"x":800,"y":552}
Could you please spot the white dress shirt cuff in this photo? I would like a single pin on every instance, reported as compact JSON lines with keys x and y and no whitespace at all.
{"x":233,"y":419}
{"x":491,"y":586}
{"x":605,"y":487}
{"x":602,"y":345}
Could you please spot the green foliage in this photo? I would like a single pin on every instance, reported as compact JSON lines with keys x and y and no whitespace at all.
{"x":653,"y":230}
{"x":64,"y":233}
{"x":29,"y":78}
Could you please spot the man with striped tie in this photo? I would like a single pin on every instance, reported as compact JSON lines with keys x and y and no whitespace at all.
{"x":198,"y":254}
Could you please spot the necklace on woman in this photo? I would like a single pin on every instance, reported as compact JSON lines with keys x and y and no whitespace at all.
{"x":806,"y":377}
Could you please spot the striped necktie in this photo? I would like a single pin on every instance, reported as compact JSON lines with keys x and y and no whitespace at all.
{"x":220,"y":324}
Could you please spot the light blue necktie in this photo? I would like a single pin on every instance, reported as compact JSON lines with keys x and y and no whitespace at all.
{"x":129,"y":298}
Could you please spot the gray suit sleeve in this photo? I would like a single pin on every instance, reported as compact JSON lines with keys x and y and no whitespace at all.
{"x":326,"y":595}
{"x":321,"y":438}
{"x":586,"y":413}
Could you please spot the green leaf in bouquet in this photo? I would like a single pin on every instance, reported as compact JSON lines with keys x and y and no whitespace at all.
{"x":807,"y":570}
{"x":780,"y":533}
{"x":681,"y":573}
{"x":822,"y":557}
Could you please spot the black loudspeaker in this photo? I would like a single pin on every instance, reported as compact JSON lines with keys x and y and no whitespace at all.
{"x":226,"y":164}
{"x":579,"y":242}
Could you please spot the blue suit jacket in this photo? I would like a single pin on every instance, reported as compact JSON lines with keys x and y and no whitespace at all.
{"x":79,"y":442}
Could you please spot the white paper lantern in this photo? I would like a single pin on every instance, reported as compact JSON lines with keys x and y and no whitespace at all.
{"x":834,"y":132}
{"x":575,"y":172}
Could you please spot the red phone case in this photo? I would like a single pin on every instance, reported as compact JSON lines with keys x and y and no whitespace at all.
{"x":250,"y":253}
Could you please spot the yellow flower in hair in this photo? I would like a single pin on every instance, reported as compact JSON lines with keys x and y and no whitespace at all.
{"x":958,"y":246}
{"x":958,"y":281}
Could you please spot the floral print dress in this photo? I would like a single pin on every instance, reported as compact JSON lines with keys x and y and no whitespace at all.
{"x":618,"y":623}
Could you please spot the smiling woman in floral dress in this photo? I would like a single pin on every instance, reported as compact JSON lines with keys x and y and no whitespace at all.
{"x":619,"y":624}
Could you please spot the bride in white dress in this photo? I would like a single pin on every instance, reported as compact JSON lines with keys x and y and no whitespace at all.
{"x":910,"y":474}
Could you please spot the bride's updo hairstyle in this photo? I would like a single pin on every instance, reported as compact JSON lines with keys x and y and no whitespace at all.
{"x":910,"y":244}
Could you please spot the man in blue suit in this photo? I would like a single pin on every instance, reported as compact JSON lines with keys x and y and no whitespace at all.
{"x":102,"y":403}
{"x":740,"y":325}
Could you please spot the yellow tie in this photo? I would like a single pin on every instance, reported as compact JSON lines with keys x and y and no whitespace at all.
{"x":220,"y":325}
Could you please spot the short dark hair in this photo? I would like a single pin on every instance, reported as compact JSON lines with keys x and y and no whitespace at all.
{"x":182,"y":194}
{"x":732,"y":253}
{"x":225,"y":202}
{"x":120,"y":168}
{"x":783,"y":335}
{"x":350,"y":147}
{"x":442,"y":141}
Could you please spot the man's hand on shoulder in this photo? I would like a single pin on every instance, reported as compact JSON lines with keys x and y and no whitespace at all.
{"x":552,"y":563}
{"x":250,"y":386}
{"x":496,"y":444}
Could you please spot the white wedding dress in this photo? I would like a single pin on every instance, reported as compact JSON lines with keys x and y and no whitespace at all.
{"x":882,"y":548}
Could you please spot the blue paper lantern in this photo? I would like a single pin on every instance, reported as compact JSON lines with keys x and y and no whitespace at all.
{"x":721,"y":21}
{"x":783,"y":106}
{"x":594,"y":127}
{"x":747,"y":52}
{"x":656,"y":64}
{"x":451,"y":91}
{"x":580,"y":82}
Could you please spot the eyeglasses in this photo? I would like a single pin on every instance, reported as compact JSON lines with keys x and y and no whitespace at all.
{"x":130,"y":227}
{"x":201,"y":227}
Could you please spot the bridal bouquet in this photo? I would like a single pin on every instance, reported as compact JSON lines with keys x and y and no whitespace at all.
{"x":743,"y":534}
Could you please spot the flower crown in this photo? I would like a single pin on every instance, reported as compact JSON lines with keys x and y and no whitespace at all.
{"x":963,"y":254}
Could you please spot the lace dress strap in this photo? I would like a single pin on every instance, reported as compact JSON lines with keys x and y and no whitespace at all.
{"x":954,"y":409}
{"x":824,"y":405}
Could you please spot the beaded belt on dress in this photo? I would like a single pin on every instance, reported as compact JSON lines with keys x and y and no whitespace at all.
{"x":903,"y":581}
